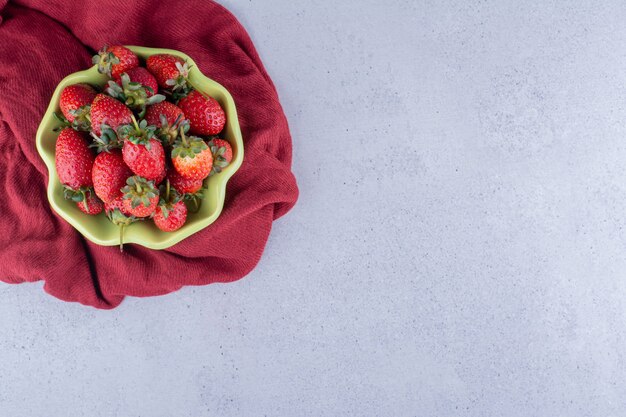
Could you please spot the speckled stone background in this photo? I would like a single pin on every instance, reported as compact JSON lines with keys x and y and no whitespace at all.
{"x":458,"y":248}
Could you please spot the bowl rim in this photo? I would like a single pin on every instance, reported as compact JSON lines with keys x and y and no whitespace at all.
{"x":171,"y":238}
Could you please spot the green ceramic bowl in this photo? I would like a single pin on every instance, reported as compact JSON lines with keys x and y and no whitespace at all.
{"x":97,"y":228}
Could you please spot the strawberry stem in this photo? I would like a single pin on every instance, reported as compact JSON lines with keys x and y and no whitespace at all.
{"x":196,"y":205}
{"x":122,"y":238}
{"x":85,"y":200}
{"x":167,"y":190}
{"x":135,"y":122}
{"x":182,"y":136}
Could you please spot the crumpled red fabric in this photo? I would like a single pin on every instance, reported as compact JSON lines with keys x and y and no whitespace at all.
{"x":41,"y":41}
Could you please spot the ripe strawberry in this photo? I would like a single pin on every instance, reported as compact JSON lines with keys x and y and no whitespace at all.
{"x":118,"y":215}
{"x":109,"y":175}
{"x":146,"y":160}
{"x":92,"y":205}
{"x":181,"y":184}
{"x":142,"y":76}
{"x":140,"y":197}
{"x":171,"y":213}
{"x":205,"y":115}
{"x":114,"y":60}
{"x":135,"y":94}
{"x":192,"y":157}
{"x":167,"y":117}
{"x":171,"y":219}
{"x":190,"y":189}
{"x":167,"y":67}
{"x":170,"y":111}
{"x":143,"y":154}
{"x":222,"y":154}
{"x":109,"y":111}
{"x":116,"y":204}
{"x":75,"y":104}
{"x":73,"y":161}
{"x":161,"y":177}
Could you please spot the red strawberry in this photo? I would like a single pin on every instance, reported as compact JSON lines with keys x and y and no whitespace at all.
{"x":142,"y":76}
{"x":169,"y":110}
{"x":116,"y":203}
{"x":205,"y":115}
{"x":75,"y":102}
{"x":167,"y":117}
{"x":172,"y":219}
{"x":171,"y":213}
{"x":91,"y":205}
{"x":143,"y":154}
{"x":189,"y":188}
{"x":192,"y":157}
{"x":161,"y":177}
{"x":114,"y":60}
{"x":109,"y":175}
{"x":73,"y":159}
{"x":181,"y":184}
{"x":118,"y":215}
{"x":146,"y":160}
{"x":167,"y":67}
{"x":222,"y":154}
{"x":109,"y":111}
{"x":140,"y":197}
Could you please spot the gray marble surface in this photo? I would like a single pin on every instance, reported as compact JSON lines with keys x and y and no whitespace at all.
{"x":458,"y":248}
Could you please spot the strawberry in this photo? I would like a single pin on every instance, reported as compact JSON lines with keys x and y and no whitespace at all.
{"x":140,"y":197}
{"x":75,"y":104}
{"x":74,"y":160}
{"x":116,"y":204}
{"x":190,"y":189}
{"x":170,"y":71}
{"x":191,"y":157}
{"x":118,"y":215}
{"x":181,"y":184}
{"x":92,"y":205}
{"x":109,"y":175}
{"x":170,"y":111}
{"x":161,"y":177}
{"x":143,"y":154}
{"x":171,"y":218}
{"x":167,"y":117}
{"x":171,"y":213}
{"x":222,"y":154}
{"x":109,"y":111}
{"x":205,"y":115}
{"x":145,"y":159}
{"x":142,"y":76}
{"x":133,"y":92}
{"x":114,"y":60}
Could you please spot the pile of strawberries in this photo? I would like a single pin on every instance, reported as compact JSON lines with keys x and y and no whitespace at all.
{"x":144,"y":145}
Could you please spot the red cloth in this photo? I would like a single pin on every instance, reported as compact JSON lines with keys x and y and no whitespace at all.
{"x":42,"y":41}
